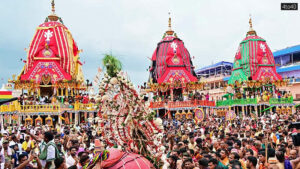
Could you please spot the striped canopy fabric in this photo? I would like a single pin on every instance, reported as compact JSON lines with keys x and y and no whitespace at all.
{"x":52,"y":40}
{"x":171,"y":58}
{"x":254,"y":58}
{"x":237,"y":75}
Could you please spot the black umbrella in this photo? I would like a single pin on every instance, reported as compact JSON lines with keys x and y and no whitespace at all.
{"x":8,"y":100}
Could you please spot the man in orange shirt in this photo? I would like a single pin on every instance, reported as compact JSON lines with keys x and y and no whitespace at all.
{"x":224,"y":157}
{"x":262,"y":159}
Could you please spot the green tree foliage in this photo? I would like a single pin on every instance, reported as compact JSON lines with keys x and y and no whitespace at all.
{"x":111,"y":64}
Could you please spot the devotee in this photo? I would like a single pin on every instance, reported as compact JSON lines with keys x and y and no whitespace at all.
{"x":27,"y":144}
{"x":6,"y":153}
{"x":24,"y":161}
{"x":72,"y":159}
{"x":60,"y":163}
{"x":251,"y":162}
{"x":213,"y":143}
{"x":48,"y":149}
{"x":213,"y":163}
{"x":203,"y":163}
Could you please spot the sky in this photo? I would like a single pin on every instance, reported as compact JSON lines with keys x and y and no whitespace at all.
{"x":130,"y":29}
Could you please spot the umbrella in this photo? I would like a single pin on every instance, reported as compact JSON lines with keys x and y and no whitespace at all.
{"x":8,"y":100}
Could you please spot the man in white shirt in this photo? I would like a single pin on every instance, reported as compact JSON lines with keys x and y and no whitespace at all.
{"x":49,"y":151}
{"x":14,"y":142}
{"x":72,"y":159}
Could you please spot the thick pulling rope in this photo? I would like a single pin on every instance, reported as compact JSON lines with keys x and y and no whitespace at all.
{"x":103,"y":155}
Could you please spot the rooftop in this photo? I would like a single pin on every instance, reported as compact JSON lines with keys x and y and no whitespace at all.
{"x":288,"y":68}
{"x":222,"y":63}
{"x":287,"y":50}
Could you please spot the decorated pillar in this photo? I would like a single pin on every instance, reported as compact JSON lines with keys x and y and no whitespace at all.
{"x":55,"y":90}
{"x":171,"y":93}
{"x":71,"y":118}
{"x":260,"y":109}
{"x":256,"y":113}
{"x":85,"y":116}
{"x":243,"y":111}
{"x":76,"y":121}
{"x":67,"y":92}
{"x":39,"y":92}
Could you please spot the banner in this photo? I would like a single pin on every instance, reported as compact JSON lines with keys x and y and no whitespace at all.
{"x":199,"y":114}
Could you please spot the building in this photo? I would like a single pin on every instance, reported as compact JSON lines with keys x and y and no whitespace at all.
{"x":215,"y":78}
{"x":288,"y":66}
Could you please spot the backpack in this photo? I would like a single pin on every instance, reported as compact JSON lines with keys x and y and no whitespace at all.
{"x":43,"y":155}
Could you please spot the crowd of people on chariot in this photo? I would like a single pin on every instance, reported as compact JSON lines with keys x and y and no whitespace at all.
{"x":68,"y":101}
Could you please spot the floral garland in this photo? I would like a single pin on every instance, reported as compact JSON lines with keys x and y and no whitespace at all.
{"x":130,"y":120}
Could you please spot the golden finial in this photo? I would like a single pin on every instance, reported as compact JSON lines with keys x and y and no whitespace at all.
{"x":170,"y":27}
{"x":53,"y":6}
{"x":251,"y":30}
{"x":170,"y":31}
{"x":250,"y":22}
{"x":53,"y":16}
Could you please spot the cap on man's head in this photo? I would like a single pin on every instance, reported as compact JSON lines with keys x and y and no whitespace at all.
{"x":5,"y":142}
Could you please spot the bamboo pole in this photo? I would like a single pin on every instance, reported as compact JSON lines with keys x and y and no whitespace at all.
{"x":266,"y":150}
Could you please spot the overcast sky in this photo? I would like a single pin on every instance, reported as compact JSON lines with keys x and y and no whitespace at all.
{"x":131,"y":29}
